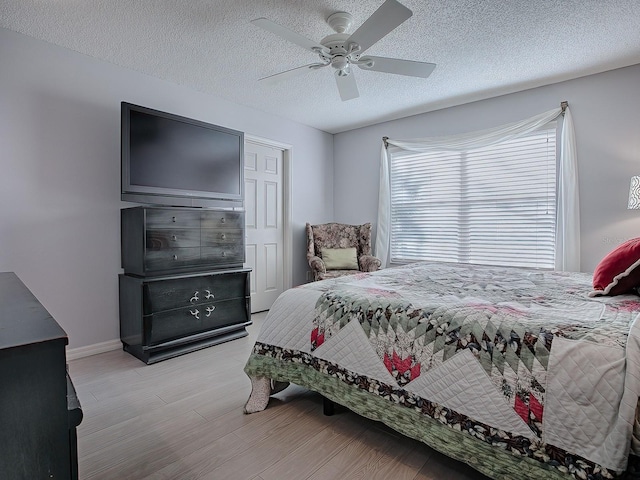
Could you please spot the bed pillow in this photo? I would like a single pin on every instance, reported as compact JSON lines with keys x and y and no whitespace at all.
{"x":619,"y":271}
{"x":340,"y":258}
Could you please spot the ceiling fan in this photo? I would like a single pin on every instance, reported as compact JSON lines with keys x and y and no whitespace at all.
{"x":342,"y":51}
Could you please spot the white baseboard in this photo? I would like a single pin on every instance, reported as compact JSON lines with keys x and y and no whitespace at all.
{"x":81,"y":352}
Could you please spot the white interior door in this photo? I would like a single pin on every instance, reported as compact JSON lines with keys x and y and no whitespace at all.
{"x":263,"y":183}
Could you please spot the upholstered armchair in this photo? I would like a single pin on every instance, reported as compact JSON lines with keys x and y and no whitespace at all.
{"x":336,"y":249}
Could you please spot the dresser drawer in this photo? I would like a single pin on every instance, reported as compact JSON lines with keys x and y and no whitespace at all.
{"x":172,"y":238}
{"x":225,"y":312}
{"x":181,"y":292}
{"x":172,"y":218}
{"x":171,"y":258}
{"x":222,"y":219}
{"x":172,"y":324}
{"x":223,"y":254}
{"x":221,"y":236}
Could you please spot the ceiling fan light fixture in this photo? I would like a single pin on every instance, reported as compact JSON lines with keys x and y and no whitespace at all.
{"x":340,"y":62}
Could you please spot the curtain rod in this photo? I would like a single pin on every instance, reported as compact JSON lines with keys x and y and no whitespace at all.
{"x":563,"y":105}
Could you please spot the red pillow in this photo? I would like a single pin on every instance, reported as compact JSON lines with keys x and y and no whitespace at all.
{"x":619,"y":271}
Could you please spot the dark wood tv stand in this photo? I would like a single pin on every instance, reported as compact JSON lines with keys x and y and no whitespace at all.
{"x":184,"y":287}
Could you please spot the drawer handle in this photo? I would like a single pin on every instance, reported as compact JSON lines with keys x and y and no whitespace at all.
{"x":195,"y":297}
{"x":173,"y":219}
{"x":175,"y":257}
{"x":174,"y":237}
{"x":195,"y":314}
{"x":210,"y":310}
{"x":223,"y":236}
{"x":223,"y":220}
{"x":224,"y":254}
{"x":208,"y":295}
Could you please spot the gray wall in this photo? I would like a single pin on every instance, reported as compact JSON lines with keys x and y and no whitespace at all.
{"x":606,"y":114}
{"x":60,"y":181}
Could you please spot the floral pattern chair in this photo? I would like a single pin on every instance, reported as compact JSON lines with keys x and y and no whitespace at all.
{"x":339,"y":236}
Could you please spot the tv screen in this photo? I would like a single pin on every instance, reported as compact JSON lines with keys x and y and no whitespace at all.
{"x":173,"y":160}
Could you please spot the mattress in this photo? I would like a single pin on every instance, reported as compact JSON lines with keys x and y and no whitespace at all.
{"x":517,"y":372}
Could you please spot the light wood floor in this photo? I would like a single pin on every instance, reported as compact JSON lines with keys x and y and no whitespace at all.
{"x":182,"y":419}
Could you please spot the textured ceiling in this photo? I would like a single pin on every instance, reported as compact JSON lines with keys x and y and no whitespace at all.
{"x":482,"y":48}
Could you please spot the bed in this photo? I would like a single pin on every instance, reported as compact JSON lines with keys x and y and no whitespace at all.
{"x":517,"y":372}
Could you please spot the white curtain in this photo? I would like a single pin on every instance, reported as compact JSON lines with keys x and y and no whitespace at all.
{"x":568,"y":215}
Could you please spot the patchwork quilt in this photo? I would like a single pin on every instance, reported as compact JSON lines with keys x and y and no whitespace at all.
{"x":516,"y":372}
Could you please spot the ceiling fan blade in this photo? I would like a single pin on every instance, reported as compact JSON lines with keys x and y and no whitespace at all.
{"x":346,"y":86}
{"x":398,"y":66}
{"x":385,"y":19}
{"x":289,"y":35}
{"x":294,"y":72}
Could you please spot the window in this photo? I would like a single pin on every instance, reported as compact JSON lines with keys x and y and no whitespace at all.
{"x":494,"y":205}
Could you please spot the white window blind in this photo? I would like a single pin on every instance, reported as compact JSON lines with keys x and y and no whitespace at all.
{"x":494,"y":205}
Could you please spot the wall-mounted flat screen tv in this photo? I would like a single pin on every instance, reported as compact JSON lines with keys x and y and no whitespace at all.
{"x":172,"y":160}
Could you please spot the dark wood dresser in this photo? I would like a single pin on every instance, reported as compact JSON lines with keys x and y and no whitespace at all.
{"x":39,"y":409}
{"x":184,"y":286}
{"x":157,"y":241}
{"x":162,"y":317}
